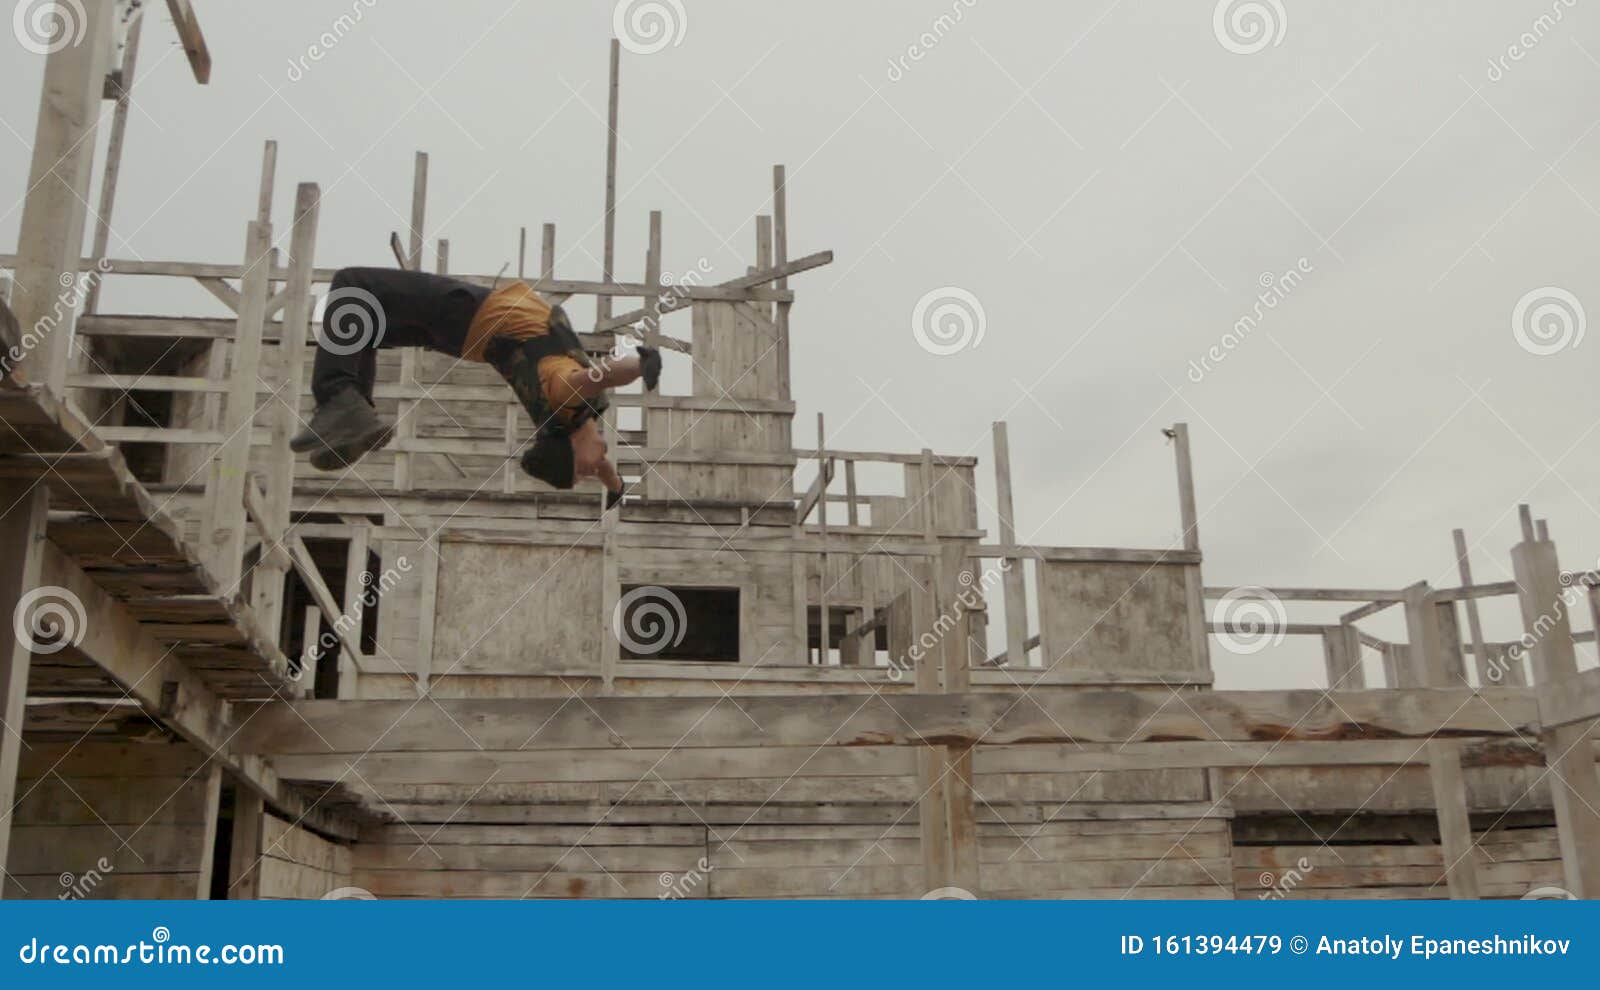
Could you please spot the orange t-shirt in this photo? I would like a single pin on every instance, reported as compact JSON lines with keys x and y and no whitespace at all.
{"x":516,"y":311}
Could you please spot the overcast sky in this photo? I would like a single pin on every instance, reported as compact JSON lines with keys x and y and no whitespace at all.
{"x":1111,"y":182}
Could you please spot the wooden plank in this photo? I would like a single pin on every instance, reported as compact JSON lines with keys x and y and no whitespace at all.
{"x":113,"y":169}
{"x":1013,"y":587}
{"x":22,"y":526}
{"x":889,"y":720}
{"x":244,"y":866}
{"x":1444,"y":756}
{"x":1574,"y":787}
{"x":192,"y":39}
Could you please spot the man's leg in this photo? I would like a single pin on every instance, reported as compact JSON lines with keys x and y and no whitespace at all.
{"x":367,"y":310}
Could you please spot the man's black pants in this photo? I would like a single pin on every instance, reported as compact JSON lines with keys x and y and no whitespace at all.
{"x":369,"y":309}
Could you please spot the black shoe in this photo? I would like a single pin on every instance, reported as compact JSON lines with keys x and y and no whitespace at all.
{"x":341,"y":431}
{"x":614,"y":498}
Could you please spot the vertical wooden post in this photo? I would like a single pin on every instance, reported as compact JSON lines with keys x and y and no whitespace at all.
{"x":957,"y":581}
{"x":522,"y":252}
{"x":21,"y":546}
{"x":652,"y":281}
{"x":1444,"y":756}
{"x":822,"y":535}
{"x":50,"y":238}
{"x":355,"y":589}
{"x":1480,"y":652}
{"x":267,"y":586}
{"x":1186,"y":504}
{"x":405,"y":421}
{"x":269,"y":174}
{"x":1574,"y":789}
{"x":780,"y":255}
{"x":428,"y":593}
{"x":547,"y":253}
{"x":224,"y":522}
{"x":609,"y":250}
{"x":310,"y":649}
{"x":113,"y":168}
{"x":1015,"y":586}
{"x":244,"y":857}
{"x":211,"y":789}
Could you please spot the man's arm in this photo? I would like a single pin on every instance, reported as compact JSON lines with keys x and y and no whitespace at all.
{"x":612,"y":372}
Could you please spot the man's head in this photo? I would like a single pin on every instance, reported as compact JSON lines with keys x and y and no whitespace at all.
{"x":560,"y":457}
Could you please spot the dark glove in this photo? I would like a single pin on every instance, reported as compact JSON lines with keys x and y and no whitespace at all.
{"x":650,"y":366}
{"x":614,"y":499}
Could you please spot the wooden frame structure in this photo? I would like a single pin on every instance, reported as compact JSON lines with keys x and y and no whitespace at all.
{"x":421,"y":677}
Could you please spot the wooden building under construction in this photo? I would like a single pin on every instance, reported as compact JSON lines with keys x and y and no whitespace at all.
{"x":766,"y":675}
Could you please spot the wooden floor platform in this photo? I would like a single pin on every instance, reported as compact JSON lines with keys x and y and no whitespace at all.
{"x":125,"y":542}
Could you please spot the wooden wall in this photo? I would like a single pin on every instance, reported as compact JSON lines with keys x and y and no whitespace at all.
{"x":113,"y":820}
{"x":299,"y":865}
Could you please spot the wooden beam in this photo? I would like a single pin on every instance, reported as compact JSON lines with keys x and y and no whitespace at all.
{"x":1094,"y":715}
{"x":1574,"y":788}
{"x":56,"y":205}
{"x":726,"y":291}
{"x":244,"y":856}
{"x":1316,"y":594}
{"x":1428,"y":666}
{"x":168,"y":689}
{"x":1014,"y":584}
{"x":193,"y":41}
{"x":267,"y":585}
{"x":608,"y":253}
{"x":22,"y":528}
{"x":113,"y":167}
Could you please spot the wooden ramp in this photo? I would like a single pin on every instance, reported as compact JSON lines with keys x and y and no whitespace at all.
{"x":106,"y":523}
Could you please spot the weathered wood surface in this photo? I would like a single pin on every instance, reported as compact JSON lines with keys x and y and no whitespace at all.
{"x":905,"y":720}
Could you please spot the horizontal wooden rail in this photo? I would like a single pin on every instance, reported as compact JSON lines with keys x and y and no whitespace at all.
{"x":1313,"y":594}
{"x":829,"y":720}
